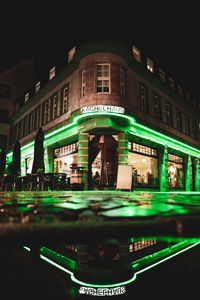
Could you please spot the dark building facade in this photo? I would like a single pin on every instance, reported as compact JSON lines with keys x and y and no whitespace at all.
{"x":14,"y":82}
{"x":108,"y":107}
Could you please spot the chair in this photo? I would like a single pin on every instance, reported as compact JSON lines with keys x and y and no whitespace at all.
{"x":25,"y":183}
{"x":55,"y":181}
{"x":33,"y":182}
{"x":40,"y":181}
{"x":18,"y":183}
{"x":2,"y":183}
{"x":62,"y":182}
{"x":9,"y":183}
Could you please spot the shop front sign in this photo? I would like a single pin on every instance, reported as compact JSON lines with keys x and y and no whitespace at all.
{"x":103,"y":108}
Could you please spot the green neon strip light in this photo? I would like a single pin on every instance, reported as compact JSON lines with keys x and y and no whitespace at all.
{"x":134,"y":265}
{"x":165,"y":137}
{"x":131,"y":130}
{"x":74,"y":122}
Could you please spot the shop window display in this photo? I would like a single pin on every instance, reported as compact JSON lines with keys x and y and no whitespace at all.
{"x":175,"y":172}
{"x":145,"y":165}
{"x":65,"y":157}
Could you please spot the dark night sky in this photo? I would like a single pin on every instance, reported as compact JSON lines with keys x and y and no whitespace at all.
{"x":167,"y":34}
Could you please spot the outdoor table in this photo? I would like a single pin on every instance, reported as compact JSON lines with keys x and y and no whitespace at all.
{"x":52,"y":179}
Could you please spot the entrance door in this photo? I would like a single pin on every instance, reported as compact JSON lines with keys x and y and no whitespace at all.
{"x":102,"y":160}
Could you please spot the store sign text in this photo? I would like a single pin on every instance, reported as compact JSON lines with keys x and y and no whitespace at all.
{"x":120,"y":290}
{"x":104,"y":108}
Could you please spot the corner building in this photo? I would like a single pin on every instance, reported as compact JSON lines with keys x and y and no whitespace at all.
{"x":110,"y":106}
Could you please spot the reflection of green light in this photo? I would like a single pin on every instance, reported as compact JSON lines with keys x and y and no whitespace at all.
{"x":164,"y":259}
{"x":163,"y":255}
{"x":73,"y":278}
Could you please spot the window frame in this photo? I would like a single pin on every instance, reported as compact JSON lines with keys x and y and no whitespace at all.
{"x":179,"y":123}
{"x":122,"y":82}
{"x":52,"y":73}
{"x":150,"y":65}
{"x":169,"y":114}
{"x":103,"y":79}
{"x":83,"y":77}
{"x":143,"y":97}
{"x":65,"y":98}
{"x":55,"y":106}
{"x":157,"y":107}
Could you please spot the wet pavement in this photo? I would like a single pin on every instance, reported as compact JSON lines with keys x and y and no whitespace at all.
{"x":42,"y":215}
{"x":64,"y":217}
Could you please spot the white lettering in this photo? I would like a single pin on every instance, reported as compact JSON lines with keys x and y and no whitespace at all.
{"x":106,"y":108}
{"x":120,"y":290}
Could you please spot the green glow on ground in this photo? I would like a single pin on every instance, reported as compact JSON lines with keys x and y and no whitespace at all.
{"x":139,"y":266}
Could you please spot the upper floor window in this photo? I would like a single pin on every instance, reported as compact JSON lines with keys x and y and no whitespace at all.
{"x":198,"y":129}
{"x":169,"y":115}
{"x":122,"y":82}
{"x":37,"y":87}
{"x":187,"y":125}
{"x":17,"y":106}
{"x":179,"y":119}
{"x":143,"y":94}
{"x":161,"y":74}
{"x":136,"y":54}
{"x":52,"y":73}
{"x":46,"y":111}
{"x":64,"y":98}
{"x":149,"y":65}
{"x":194,"y":102}
{"x":26,"y":97}
{"x":187,"y":97}
{"x":195,"y":129}
{"x":55,"y":106}
{"x":71,"y":54}
{"x":83,"y":84}
{"x":171,"y":83}
{"x":103,"y":78}
{"x":37,"y":117}
{"x":31,"y":121}
{"x":180,"y":90}
{"x":4,"y":115}
{"x":157,"y":107}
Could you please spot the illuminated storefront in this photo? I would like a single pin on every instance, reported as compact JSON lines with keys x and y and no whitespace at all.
{"x":65,"y":157}
{"x":145,"y":164}
{"x":103,"y":159}
{"x":100,"y":152}
{"x":175,"y":171}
